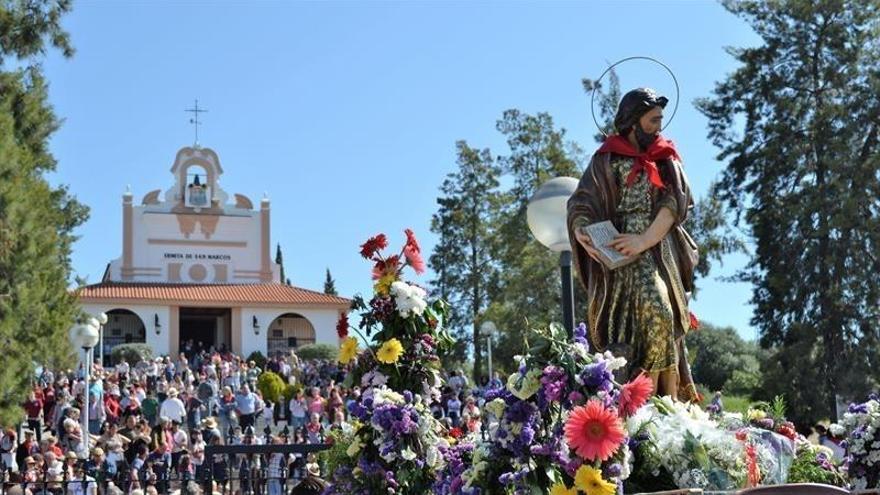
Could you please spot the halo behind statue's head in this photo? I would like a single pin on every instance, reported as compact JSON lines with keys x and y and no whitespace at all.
{"x":637,"y":102}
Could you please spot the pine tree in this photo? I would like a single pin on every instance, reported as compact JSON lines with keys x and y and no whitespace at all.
{"x":529,"y":288}
{"x":330,"y":285}
{"x":797,"y":123}
{"x":279,"y":259}
{"x":36,"y":219}
{"x":462,"y":257}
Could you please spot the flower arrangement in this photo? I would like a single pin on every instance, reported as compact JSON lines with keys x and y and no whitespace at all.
{"x":556,"y":427}
{"x":860,"y":424}
{"x":395,"y":444}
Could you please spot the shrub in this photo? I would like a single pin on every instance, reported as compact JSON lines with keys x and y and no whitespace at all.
{"x":318,"y":351}
{"x":258,"y":358}
{"x":271,"y":386}
{"x":132,"y":353}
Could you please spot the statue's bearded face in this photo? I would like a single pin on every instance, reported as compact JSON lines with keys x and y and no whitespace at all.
{"x":648,"y":127}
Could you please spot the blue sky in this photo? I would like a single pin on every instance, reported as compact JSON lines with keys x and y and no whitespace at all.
{"x":346,"y":113}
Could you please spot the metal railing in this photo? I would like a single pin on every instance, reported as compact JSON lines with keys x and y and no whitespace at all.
{"x":227,"y":469}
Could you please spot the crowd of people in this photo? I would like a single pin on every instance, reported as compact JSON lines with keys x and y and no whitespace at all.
{"x":150,"y":422}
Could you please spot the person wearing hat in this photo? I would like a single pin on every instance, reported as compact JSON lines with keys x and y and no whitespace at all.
{"x":26,"y":448}
{"x":210,"y":430}
{"x":172,"y":407}
{"x":635,"y":180}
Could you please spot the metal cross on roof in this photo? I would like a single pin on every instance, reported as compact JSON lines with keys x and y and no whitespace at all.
{"x":195,"y":120}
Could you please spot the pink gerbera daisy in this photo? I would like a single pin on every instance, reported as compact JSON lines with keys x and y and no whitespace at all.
{"x":634,"y":394}
{"x":593,"y":431}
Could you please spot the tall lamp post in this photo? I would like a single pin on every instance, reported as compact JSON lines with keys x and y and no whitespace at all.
{"x":547,"y":216}
{"x":85,"y":336}
{"x":102,"y":320}
{"x":488,"y":329}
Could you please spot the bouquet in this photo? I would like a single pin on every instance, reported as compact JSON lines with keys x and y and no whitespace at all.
{"x":556,"y":427}
{"x":860,"y":424}
{"x":394,"y":445}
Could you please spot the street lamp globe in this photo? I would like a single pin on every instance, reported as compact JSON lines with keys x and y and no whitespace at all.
{"x":488,"y":328}
{"x":102,"y":318}
{"x":547,"y":213}
{"x":84,"y":335}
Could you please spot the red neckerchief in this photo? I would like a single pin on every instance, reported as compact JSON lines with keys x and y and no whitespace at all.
{"x":660,"y":149}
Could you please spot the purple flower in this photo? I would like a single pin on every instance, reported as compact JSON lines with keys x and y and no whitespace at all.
{"x":598,"y":377}
{"x":580,"y":334}
{"x":553,"y":381}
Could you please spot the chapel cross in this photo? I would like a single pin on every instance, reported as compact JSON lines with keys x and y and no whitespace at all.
{"x":195,"y":120}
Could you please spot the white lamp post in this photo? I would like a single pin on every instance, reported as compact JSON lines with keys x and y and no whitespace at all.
{"x":85,"y":336}
{"x":102,"y":320}
{"x":488,"y":329}
{"x":547,"y":216}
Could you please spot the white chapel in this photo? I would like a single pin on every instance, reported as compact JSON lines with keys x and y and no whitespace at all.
{"x":196,"y":269}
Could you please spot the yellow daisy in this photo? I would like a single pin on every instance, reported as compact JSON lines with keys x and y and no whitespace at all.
{"x":561,"y":489}
{"x":348,"y":350}
{"x":589,"y":480}
{"x":390,"y":351}
{"x":383,"y":285}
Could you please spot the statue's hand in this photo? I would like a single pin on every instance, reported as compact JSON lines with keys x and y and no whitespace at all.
{"x":630,"y":244}
{"x":585,"y":242}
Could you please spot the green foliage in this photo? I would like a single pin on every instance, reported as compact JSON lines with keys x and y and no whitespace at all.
{"x":290,"y":391}
{"x":330,"y":285}
{"x":26,"y":28}
{"x":462,"y":259}
{"x":271,"y":386}
{"x":132,"y":353}
{"x":806,"y":469}
{"x":258,"y":358}
{"x":718,"y":353}
{"x":279,"y":258}
{"x":797,"y":123}
{"x":37,"y":219}
{"x":318,"y":351}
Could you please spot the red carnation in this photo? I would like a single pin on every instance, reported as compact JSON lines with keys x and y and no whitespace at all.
{"x":342,"y":326}
{"x":786,"y":429}
{"x":695,"y":323}
{"x":455,"y":432}
{"x":373,"y":244}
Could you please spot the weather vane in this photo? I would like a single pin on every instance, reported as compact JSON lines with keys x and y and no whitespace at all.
{"x":195,"y":120}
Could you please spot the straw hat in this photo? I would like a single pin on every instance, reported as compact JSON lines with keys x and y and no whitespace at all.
{"x":209,"y":423}
{"x":172,"y":392}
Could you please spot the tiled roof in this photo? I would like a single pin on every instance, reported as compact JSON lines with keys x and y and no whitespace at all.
{"x":273,"y":294}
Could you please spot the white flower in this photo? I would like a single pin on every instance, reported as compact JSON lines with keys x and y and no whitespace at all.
{"x":386,"y":395}
{"x":373,"y":379}
{"x":354,"y":448}
{"x":409,"y":299}
{"x":408,"y":454}
{"x":836,"y":429}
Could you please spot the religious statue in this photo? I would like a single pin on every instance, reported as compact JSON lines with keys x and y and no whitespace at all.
{"x":197,"y":193}
{"x":640,"y":310}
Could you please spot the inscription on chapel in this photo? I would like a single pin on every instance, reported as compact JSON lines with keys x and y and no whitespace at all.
{"x":197,"y":256}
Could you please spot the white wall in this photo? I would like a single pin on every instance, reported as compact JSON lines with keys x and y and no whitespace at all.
{"x":159,"y":343}
{"x":323,"y":320}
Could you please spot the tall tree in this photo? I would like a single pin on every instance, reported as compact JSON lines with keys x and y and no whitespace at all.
{"x":462,"y":258}
{"x":279,"y":258}
{"x":330,"y":285}
{"x":797,"y":123}
{"x":36,"y":219}
{"x":529,"y":293}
